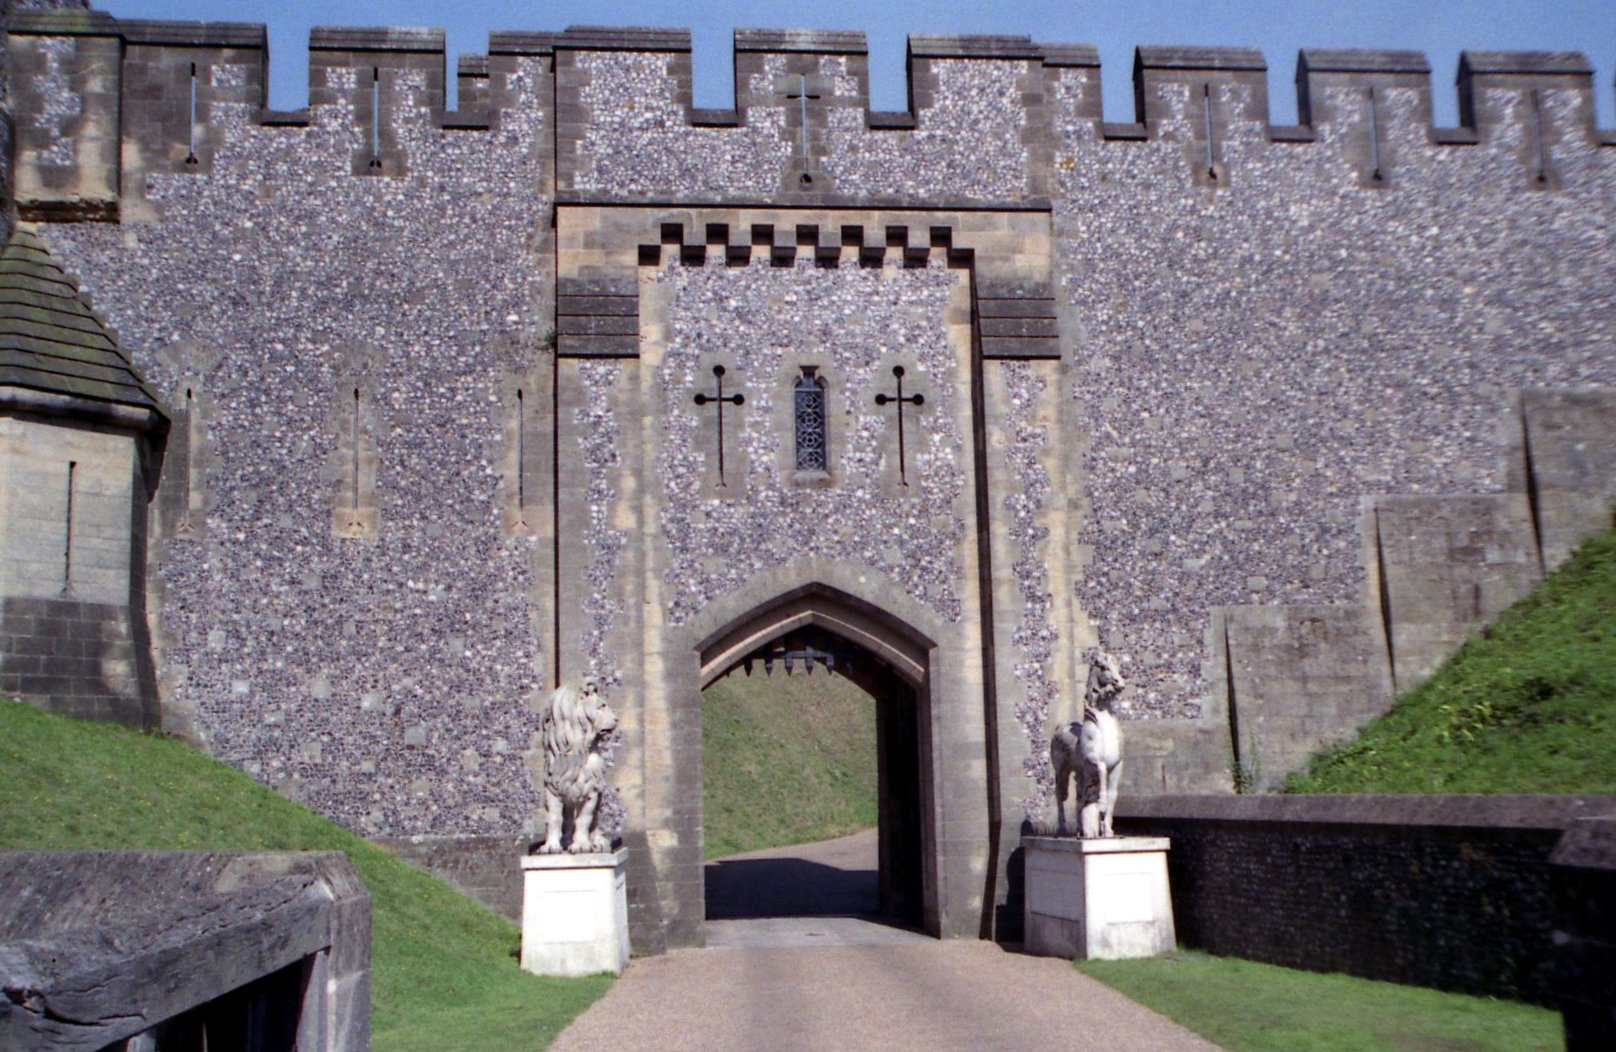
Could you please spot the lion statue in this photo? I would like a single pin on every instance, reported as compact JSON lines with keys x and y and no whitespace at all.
{"x":1092,"y":749}
{"x":575,"y":726}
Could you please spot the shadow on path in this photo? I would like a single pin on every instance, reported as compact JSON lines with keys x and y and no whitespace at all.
{"x":740,"y":888}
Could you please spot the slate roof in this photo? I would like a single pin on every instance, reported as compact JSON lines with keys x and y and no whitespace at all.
{"x":50,"y":339}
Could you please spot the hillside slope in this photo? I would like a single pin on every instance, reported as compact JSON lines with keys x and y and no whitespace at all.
{"x":785,"y":760}
{"x":1528,"y":706}
{"x":444,"y":972}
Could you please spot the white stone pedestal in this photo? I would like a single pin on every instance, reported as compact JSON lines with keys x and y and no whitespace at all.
{"x":1104,"y":898}
{"x":574,"y":914}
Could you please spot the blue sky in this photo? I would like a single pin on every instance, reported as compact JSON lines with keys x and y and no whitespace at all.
{"x":1440,"y":28}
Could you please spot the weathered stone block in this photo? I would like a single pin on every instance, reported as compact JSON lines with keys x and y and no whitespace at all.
{"x":1300,"y":679}
{"x":1571,"y":460}
{"x":1448,"y":565}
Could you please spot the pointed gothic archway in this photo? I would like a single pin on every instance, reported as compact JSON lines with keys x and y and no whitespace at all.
{"x":890,"y":661}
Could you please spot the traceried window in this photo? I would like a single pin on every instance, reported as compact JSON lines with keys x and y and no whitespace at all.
{"x":810,"y":417}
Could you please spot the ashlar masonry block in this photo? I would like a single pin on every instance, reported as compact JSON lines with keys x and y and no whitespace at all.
{"x":1448,"y":565}
{"x":1572,"y":463}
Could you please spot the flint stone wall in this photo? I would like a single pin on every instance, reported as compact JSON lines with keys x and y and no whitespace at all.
{"x":345,"y":607}
{"x":1258,"y":356}
{"x":1452,"y":892}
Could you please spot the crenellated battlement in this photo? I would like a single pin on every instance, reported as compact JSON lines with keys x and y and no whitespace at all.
{"x":100,"y":103}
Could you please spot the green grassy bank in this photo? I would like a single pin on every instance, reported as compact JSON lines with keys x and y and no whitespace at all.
{"x":1528,"y":706}
{"x":1248,"y":1007}
{"x":785,"y":760}
{"x":444,"y":971}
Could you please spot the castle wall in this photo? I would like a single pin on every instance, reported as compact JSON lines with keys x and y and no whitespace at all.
{"x":433,"y":374}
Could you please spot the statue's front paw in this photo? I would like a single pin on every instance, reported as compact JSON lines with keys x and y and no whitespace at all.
{"x":550,"y":847}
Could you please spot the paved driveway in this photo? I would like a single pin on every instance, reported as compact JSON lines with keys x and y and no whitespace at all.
{"x":931,"y":995}
{"x":784,"y":984}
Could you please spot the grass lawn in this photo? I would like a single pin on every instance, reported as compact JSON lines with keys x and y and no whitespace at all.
{"x":1528,"y":706}
{"x":443,"y":969}
{"x":785,"y":760}
{"x":1248,"y":1007}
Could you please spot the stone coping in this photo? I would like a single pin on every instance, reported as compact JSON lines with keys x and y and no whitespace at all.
{"x":593,"y":860}
{"x":63,"y":23}
{"x":1589,"y":844}
{"x":1003,"y":47}
{"x":1365,"y":60}
{"x":1072,"y":56}
{"x":398,"y":38}
{"x":816,"y":41}
{"x":194,"y":34}
{"x":1558,"y":63}
{"x":623,"y":38}
{"x":1208,"y":58}
{"x":1527,"y":813}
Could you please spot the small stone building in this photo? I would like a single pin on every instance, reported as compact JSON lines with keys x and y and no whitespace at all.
{"x":81,"y":444}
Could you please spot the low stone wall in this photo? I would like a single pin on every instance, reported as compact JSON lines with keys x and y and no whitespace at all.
{"x":485,"y":868}
{"x":1451,"y":892}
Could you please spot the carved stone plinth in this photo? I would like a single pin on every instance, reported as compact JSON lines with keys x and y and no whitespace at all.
{"x":1101,"y":898}
{"x":574,"y":914}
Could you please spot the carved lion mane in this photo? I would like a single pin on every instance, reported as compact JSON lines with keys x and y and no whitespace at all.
{"x":574,"y":770}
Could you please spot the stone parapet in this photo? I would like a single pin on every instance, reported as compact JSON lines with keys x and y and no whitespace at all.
{"x":170,"y":92}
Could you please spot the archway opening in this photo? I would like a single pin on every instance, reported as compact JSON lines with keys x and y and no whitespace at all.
{"x":820,"y":663}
